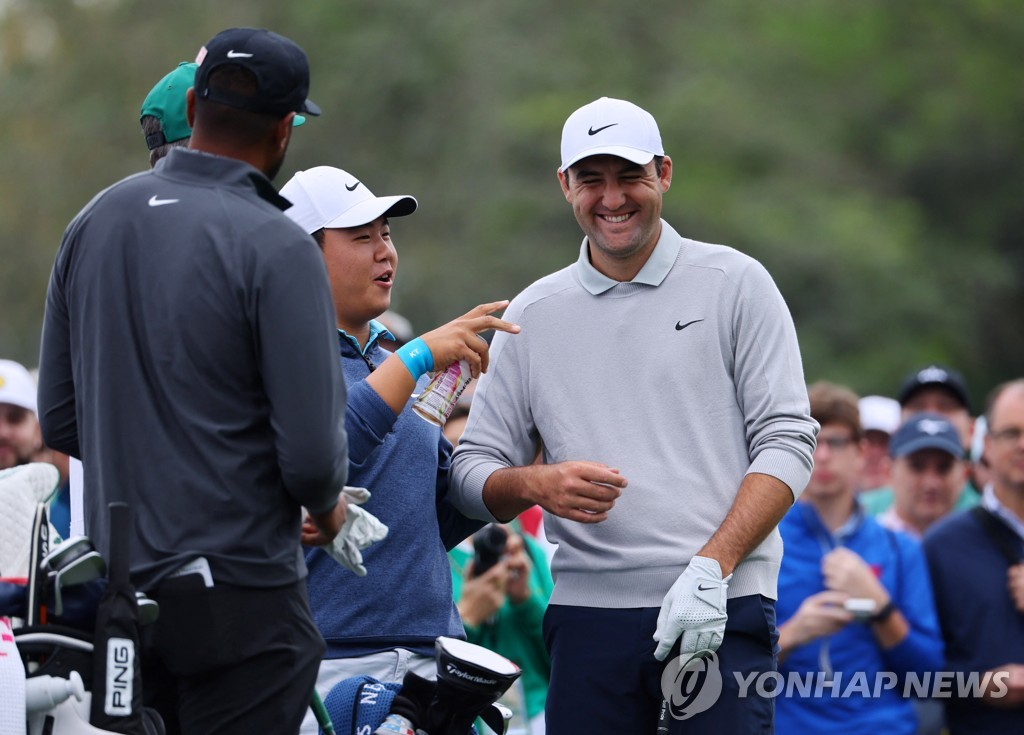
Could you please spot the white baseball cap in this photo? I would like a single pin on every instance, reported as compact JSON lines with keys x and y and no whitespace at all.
{"x":612,"y":127}
{"x":879,"y":413}
{"x":327,"y":197}
{"x":17,"y":386}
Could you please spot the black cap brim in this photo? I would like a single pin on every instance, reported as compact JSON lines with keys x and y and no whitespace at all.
{"x":913,"y":388}
{"x":309,"y":107}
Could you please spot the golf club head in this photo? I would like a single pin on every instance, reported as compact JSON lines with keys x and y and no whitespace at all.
{"x":149,"y":610}
{"x":78,"y":570}
{"x":497,"y":717}
{"x":66,"y":552}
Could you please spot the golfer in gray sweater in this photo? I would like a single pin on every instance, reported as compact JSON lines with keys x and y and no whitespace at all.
{"x":662,"y":379}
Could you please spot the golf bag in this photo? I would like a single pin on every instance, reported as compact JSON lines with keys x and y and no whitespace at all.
{"x":58,"y":601}
{"x":59,"y":685}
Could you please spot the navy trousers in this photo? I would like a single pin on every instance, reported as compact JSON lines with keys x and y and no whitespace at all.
{"x":605,"y":679}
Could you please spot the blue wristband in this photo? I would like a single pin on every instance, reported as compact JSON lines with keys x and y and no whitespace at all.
{"x":416,"y":357}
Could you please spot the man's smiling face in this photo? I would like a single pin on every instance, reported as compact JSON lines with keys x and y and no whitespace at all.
{"x":617,"y":204}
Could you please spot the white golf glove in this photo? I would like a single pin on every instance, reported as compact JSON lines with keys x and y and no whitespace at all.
{"x":361,"y":528}
{"x":695,"y":609}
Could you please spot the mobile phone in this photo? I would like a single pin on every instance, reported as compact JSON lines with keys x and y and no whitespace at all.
{"x":861,"y":607}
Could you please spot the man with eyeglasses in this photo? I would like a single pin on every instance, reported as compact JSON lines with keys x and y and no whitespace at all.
{"x":854,"y":597}
{"x":976,"y":560}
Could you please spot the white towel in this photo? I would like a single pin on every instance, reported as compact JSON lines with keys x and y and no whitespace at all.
{"x":12,"y":683}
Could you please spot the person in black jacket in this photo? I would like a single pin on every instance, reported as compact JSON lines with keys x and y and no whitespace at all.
{"x":188,"y":361}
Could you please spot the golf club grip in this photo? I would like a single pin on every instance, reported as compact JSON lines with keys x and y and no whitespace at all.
{"x":120,"y":539}
{"x":663,"y":719}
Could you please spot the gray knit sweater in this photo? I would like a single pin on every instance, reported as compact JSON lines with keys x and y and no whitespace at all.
{"x":685,"y":378}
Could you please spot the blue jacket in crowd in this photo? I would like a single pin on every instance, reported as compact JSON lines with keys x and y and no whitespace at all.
{"x":899,"y":563}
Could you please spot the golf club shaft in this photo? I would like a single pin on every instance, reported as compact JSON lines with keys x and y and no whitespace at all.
{"x":322,"y":718}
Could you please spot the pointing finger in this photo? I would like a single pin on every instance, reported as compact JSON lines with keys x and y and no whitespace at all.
{"x":483,"y":309}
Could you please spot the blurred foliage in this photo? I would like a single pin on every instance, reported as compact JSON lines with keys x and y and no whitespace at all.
{"x":868,"y":153}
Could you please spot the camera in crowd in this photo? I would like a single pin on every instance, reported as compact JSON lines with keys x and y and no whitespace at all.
{"x":488,"y":547}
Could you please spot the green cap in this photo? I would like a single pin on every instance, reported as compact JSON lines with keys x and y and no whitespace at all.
{"x":166,"y":102}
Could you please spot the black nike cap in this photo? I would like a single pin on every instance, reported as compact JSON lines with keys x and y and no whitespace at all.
{"x":935,"y":376}
{"x":279,"y":64}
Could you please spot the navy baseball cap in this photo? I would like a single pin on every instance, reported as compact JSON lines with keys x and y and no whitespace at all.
{"x":926,"y":431}
{"x":166,"y":102}
{"x":280,"y":66}
{"x":935,"y":376}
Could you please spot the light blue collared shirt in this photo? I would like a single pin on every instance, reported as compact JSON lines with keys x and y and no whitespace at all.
{"x":377,"y":330}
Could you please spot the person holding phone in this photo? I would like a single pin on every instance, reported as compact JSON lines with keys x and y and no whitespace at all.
{"x":854,"y":597}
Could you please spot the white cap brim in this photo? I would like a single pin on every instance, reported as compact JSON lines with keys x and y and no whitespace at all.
{"x":634,"y":155}
{"x":327,"y":197}
{"x":370,"y":209}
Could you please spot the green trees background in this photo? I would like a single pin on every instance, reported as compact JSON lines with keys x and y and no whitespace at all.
{"x":868,"y":153}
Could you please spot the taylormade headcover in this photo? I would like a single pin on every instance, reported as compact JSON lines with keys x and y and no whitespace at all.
{"x":694,"y":608}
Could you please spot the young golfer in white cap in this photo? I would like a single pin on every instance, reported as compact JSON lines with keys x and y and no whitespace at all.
{"x":385,"y":623}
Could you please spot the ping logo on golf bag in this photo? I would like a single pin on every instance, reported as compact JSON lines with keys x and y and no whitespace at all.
{"x":120,"y":677}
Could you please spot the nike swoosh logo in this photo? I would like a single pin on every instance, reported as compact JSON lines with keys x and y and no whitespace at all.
{"x":154,"y":202}
{"x":353,"y":187}
{"x":705,"y":589}
{"x":680,"y":325}
{"x":238,"y":55}
{"x":603,"y":127}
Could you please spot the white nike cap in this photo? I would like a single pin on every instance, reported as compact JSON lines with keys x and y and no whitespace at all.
{"x":327,"y":197}
{"x":17,"y":386}
{"x":611,"y":127}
